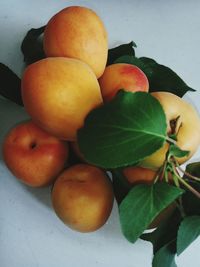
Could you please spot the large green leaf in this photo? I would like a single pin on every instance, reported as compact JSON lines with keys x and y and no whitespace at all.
{"x":161,"y":78}
{"x":121,"y":50}
{"x":124,"y":131}
{"x":10,"y":85}
{"x":188,"y":231}
{"x":142,"y":204}
{"x":165,"y":256}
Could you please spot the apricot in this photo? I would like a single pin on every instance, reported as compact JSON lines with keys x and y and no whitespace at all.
{"x":187,"y":128}
{"x":138,"y":175}
{"x":82,"y":197}
{"x":58,"y":93}
{"x":77,"y":32}
{"x":34,"y":156}
{"x":122,"y":76}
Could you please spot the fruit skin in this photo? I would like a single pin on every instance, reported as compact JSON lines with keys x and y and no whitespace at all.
{"x":77,"y":32}
{"x":82,"y":197}
{"x":187,"y":130}
{"x":33,"y":156}
{"x":58,"y":93}
{"x":122,"y":76}
{"x":138,"y":175}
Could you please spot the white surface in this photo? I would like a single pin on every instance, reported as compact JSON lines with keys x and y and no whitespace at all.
{"x":30,"y":233}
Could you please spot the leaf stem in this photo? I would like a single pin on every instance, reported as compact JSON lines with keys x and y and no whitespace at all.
{"x":171,"y":140}
{"x":187,"y":173}
{"x":189,"y":187}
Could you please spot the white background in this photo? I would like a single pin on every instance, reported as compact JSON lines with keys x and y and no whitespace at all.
{"x":30,"y":233}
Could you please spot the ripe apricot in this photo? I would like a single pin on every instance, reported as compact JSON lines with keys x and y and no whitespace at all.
{"x":82,"y":197}
{"x":187,"y":128}
{"x":122,"y":76}
{"x":34,"y":156}
{"x":58,"y":93}
{"x":138,"y":175}
{"x":77,"y":32}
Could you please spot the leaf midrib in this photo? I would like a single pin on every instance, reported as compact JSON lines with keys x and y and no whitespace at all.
{"x":134,"y":130}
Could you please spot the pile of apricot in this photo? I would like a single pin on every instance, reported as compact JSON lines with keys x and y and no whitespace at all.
{"x":58,"y":93}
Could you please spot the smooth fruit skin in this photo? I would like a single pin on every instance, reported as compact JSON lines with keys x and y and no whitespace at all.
{"x":187,"y":130}
{"x":58,"y":93}
{"x":82,"y":197}
{"x":33,"y":156}
{"x":77,"y":32}
{"x":122,"y":76}
{"x":138,"y":175}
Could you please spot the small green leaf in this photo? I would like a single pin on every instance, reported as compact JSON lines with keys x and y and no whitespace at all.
{"x":124,"y":49}
{"x":188,"y":231}
{"x":10,"y":85}
{"x":32,"y":47}
{"x":177,"y":152}
{"x":165,"y":256}
{"x":124,"y":131}
{"x":142,"y":204}
{"x":161,"y":78}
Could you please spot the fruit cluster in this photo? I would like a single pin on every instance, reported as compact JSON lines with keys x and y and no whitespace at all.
{"x":59,"y":92}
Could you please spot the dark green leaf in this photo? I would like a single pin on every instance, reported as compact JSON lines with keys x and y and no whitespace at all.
{"x":165,"y":233}
{"x":188,"y":231}
{"x":10,"y":85}
{"x":124,"y":49}
{"x":121,"y":185}
{"x":161,"y":78}
{"x":177,"y":152}
{"x":124,"y":131}
{"x":142,"y":204}
{"x":193,"y":168}
{"x":134,"y":61}
{"x":191,"y":203}
{"x":165,"y":256}
{"x":32,"y":47}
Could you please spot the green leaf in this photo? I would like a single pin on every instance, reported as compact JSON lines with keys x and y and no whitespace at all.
{"x":191,"y":203}
{"x":165,"y":257}
{"x":193,"y":168}
{"x":10,"y":85}
{"x":161,"y":78}
{"x":188,"y":231}
{"x":177,"y":152}
{"x":124,"y":131}
{"x":124,"y":49}
{"x":32,"y":47}
{"x":142,"y":204}
{"x":129,"y":59}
